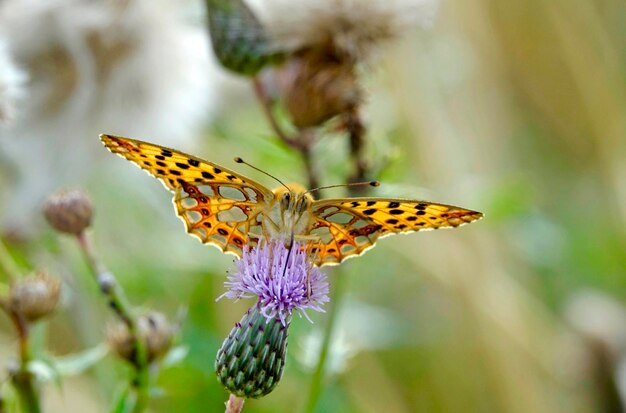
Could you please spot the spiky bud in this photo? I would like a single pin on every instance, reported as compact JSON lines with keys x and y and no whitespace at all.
{"x":251,"y":360}
{"x":155,"y":332}
{"x":68,"y":211}
{"x":239,"y":40}
{"x":34,"y":296}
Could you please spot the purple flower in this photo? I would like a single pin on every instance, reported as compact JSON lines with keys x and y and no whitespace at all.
{"x":284,"y":281}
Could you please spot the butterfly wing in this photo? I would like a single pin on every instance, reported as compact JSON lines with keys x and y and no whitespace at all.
{"x":217,"y":205}
{"x":349,"y":227}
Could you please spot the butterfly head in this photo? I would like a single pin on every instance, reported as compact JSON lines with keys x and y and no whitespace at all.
{"x":294,"y":199}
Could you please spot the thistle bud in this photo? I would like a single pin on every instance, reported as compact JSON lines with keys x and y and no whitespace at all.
{"x":239,"y":40}
{"x":68,"y":211}
{"x":251,"y":360}
{"x":34,"y":296}
{"x":155,"y":332}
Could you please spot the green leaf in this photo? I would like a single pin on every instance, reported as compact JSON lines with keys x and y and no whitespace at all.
{"x":45,"y":371}
{"x":4,"y":290}
{"x":125,"y":402}
{"x":8,"y":398}
{"x":75,"y":364}
{"x":175,"y":356}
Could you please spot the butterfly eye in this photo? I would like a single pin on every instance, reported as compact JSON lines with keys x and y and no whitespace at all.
{"x":285,"y":200}
{"x":303,"y":205}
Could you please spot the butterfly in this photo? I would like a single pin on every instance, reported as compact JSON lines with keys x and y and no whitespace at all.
{"x":230,"y":211}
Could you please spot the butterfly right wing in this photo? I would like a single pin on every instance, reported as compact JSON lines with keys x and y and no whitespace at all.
{"x":218,"y":206}
{"x":348,"y":227}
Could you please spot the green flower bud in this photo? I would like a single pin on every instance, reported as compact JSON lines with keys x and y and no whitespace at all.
{"x":239,"y":40}
{"x":251,"y":360}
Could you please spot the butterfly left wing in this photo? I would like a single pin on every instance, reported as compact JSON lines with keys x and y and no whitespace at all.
{"x":349,"y":227}
{"x":217,"y":205}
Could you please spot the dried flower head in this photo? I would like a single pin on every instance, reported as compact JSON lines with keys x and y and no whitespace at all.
{"x":34,"y":296}
{"x":326,"y":40}
{"x":12,"y":80}
{"x":68,"y":211}
{"x":599,"y":318}
{"x":141,"y":65}
{"x":354,"y":26}
{"x":316,"y":85}
{"x":87,"y":62}
{"x":154,"y":330}
{"x":283,"y":279}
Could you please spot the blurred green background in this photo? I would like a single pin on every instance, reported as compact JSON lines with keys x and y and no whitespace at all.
{"x":516,"y":109}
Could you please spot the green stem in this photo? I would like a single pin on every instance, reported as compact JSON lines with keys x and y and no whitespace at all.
{"x":107,"y":283}
{"x":7,"y":263}
{"x":22,"y":379}
{"x":315,"y":388}
{"x":117,"y":301}
{"x":24,"y":385}
{"x":141,"y":380}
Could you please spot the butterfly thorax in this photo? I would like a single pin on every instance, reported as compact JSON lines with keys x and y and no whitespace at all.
{"x":290,"y":213}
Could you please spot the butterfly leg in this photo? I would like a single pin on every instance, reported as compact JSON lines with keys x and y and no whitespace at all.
{"x":311,"y":252}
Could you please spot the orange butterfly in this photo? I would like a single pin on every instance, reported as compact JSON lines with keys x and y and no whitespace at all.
{"x":228,"y":210}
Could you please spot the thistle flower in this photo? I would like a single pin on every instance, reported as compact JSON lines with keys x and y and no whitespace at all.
{"x":284,"y":280}
{"x":251,"y":360}
{"x":34,"y":296}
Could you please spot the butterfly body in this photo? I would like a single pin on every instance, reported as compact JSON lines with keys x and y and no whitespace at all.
{"x":230,"y":211}
{"x":292,"y":213}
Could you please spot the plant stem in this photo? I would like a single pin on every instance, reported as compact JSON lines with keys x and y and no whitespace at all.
{"x":7,"y":264}
{"x":308,"y":137}
{"x":266,"y":105}
{"x":234,"y":404}
{"x":356,"y":132}
{"x":116,"y":300}
{"x":29,"y":399}
{"x":315,"y":388}
{"x":107,"y":283}
{"x":302,"y":142}
{"x":22,"y":379}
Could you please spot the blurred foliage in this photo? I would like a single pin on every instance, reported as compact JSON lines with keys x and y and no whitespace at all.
{"x":516,"y":109}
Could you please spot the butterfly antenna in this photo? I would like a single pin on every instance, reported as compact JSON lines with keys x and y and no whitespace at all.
{"x":370,"y":183}
{"x":239,"y":160}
